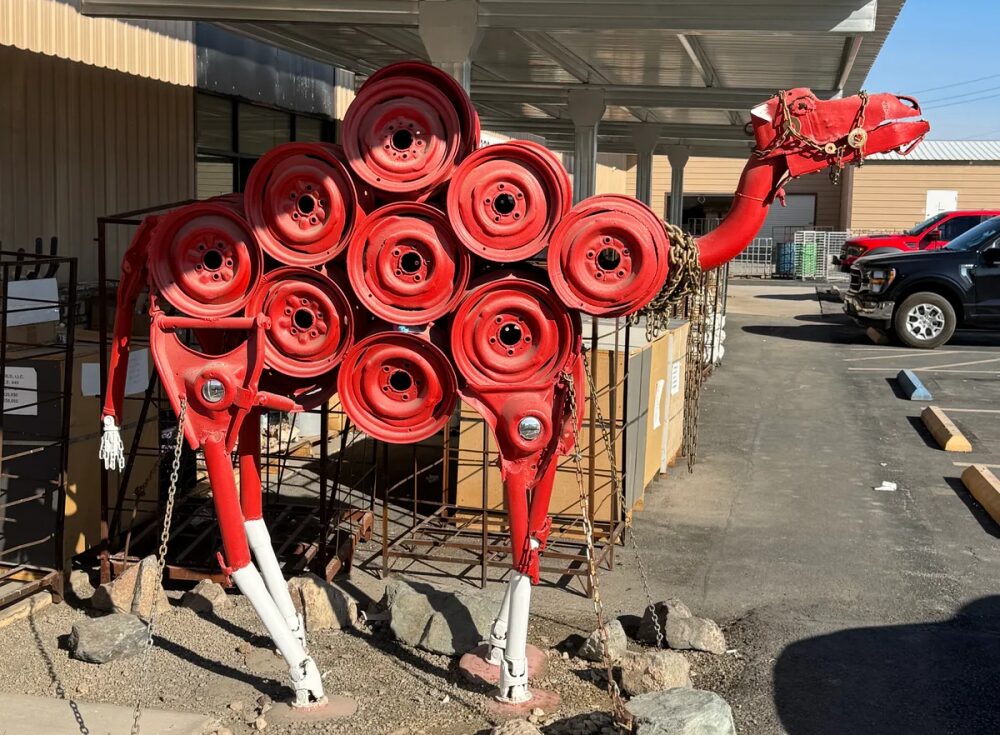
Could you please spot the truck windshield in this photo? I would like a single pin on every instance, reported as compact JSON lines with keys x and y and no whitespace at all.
{"x":917,"y":229}
{"x":978,"y":235}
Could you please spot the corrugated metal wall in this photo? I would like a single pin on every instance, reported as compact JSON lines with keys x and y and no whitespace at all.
{"x":719,"y":176}
{"x":78,"y":142}
{"x":162,"y":50}
{"x":894,"y":195}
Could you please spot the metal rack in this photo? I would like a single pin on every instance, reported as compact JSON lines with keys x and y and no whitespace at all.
{"x":36,"y":361}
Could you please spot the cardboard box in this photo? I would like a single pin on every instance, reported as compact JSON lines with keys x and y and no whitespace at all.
{"x":673,"y":438}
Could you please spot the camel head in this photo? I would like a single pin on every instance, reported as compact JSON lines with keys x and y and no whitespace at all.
{"x":812,"y":134}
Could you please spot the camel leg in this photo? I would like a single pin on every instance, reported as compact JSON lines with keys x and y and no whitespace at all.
{"x":302,"y":671}
{"x":514,"y":670}
{"x":498,"y":631}
{"x":256,"y":531}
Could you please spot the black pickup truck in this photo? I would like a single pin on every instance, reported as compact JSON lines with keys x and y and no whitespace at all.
{"x":923,"y":296}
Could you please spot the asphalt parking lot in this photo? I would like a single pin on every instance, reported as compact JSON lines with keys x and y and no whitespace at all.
{"x":852,"y":610}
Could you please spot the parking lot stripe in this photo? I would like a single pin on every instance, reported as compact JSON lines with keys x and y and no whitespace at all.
{"x":971,"y":410}
{"x":888,"y":357}
{"x":981,"y":464}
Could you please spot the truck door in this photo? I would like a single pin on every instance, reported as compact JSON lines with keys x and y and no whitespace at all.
{"x":949,"y":230}
{"x":986,"y":276}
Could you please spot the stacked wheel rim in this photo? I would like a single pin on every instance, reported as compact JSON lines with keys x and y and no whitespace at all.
{"x":204,"y":260}
{"x":408,"y":128}
{"x":397,"y":387}
{"x":505,"y":200}
{"x":302,"y":203}
{"x":512,"y":330}
{"x":609,"y":256}
{"x":311,"y":321}
{"x":406,"y":265}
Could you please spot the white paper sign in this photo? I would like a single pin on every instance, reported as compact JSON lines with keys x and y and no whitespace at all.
{"x":33,"y":301}
{"x":660,"y":384}
{"x":135,"y":380}
{"x":940,"y":200}
{"x":675,"y":378}
{"x":20,"y":391}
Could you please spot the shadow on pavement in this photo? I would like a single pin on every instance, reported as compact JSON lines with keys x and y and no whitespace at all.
{"x":826,"y":333}
{"x":977,"y":511}
{"x":922,"y":679}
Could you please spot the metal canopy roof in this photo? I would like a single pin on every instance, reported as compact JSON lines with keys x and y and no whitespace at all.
{"x":695,"y":67}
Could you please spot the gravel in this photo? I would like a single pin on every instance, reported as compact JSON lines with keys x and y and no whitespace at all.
{"x":207,"y":665}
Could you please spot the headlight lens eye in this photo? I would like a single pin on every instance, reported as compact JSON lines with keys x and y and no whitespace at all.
{"x":881,"y":278}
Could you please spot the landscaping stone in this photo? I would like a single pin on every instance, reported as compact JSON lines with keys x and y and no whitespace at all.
{"x":664,"y":611}
{"x":450,"y":623}
{"x":654,"y":671}
{"x":591,"y":650}
{"x":117,"y":596}
{"x":681,"y":712}
{"x":78,"y":587}
{"x":323,"y":605}
{"x":516,"y":727}
{"x":699,"y":634}
{"x":108,"y":638}
{"x":206,"y":597}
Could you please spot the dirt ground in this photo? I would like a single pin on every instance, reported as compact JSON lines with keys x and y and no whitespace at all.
{"x":224,"y":665}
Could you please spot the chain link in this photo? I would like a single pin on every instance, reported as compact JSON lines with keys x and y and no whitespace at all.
{"x":161,"y":562}
{"x":618,"y":489}
{"x":622,"y":718}
{"x":683,"y":278}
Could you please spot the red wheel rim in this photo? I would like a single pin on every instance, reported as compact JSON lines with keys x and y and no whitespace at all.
{"x":302,"y":203}
{"x":397,"y":387}
{"x":204,"y":260}
{"x":609,"y":256}
{"x":512,"y":330}
{"x":406,"y":131}
{"x":366,"y":195}
{"x":311,"y":321}
{"x":406,"y":265}
{"x":505,"y":200}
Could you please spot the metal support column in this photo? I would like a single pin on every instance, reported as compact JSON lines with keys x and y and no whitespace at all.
{"x":645,"y":137}
{"x":450,"y":32}
{"x":586,"y":108}
{"x":678,"y":156}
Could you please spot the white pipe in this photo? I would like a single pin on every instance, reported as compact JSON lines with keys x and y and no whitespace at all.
{"x":514,"y":672}
{"x":263,"y":552}
{"x":301,"y":668}
{"x":498,"y":631}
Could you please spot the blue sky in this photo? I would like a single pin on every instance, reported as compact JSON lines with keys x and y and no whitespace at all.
{"x":933,"y":53}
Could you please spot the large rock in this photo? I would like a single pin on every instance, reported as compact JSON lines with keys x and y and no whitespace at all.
{"x":681,"y":712}
{"x":206,"y":597}
{"x":323,"y":605}
{"x":699,"y":634}
{"x":78,"y":587}
{"x":516,"y":727}
{"x":108,"y":638}
{"x":617,"y":643}
{"x":450,"y":623}
{"x":117,"y":596}
{"x":654,"y":671}
{"x":672,"y":608}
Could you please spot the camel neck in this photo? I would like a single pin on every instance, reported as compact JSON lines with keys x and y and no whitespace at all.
{"x":748,"y":212}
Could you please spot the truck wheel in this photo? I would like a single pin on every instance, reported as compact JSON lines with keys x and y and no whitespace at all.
{"x":924,"y":320}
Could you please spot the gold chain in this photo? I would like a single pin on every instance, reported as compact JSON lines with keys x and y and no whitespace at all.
{"x":618,"y":490}
{"x":683,"y":279}
{"x":161,"y":563}
{"x":623,"y":720}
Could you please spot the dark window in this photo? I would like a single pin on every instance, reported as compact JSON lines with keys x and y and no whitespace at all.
{"x":262,"y":128}
{"x":958,"y":225}
{"x":214,"y":122}
{"x":309,"y":129}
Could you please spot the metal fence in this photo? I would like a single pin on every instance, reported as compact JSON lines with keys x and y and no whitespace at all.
{"x":808,"y":255}
{"x":757,"y":261}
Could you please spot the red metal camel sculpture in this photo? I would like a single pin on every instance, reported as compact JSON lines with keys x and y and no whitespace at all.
{"x":305,"y":286}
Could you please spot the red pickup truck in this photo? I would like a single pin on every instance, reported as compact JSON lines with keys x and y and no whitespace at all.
{"x":933,"y":233}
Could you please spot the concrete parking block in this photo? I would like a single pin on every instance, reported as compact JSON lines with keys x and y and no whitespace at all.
{"x":985,"y":487}
{"x":944,"y":431}
{"x":912,"y":386}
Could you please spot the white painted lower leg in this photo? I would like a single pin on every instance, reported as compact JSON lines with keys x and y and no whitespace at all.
{"x":498,"y":631}
{"x":514,"y":671}
{"x":302,"y":669}
{"x":263,"y":552}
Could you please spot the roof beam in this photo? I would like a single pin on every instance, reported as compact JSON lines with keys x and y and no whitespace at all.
{"x":702,"y":98}
{"x":721,"y":16}
{"x":852,"y":46}
{"x":274,"y":36}
{"x":702,"y":62}
{"x":546,"y":127}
